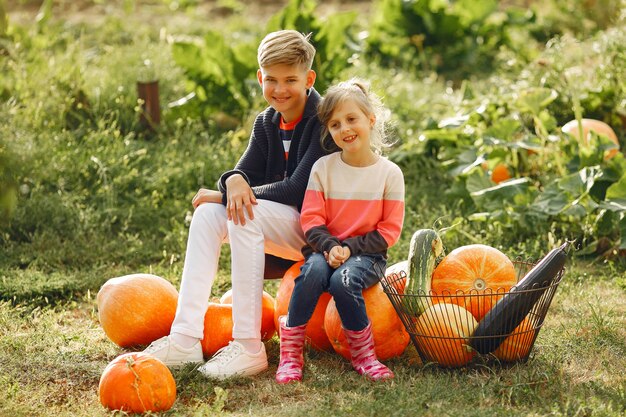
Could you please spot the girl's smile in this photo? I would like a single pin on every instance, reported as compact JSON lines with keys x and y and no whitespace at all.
{"x":350,"y":128}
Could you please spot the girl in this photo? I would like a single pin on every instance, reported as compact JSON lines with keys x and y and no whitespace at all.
{"x":352,"y":213}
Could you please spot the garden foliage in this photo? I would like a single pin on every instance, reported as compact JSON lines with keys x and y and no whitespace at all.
{"x":471,"y":85}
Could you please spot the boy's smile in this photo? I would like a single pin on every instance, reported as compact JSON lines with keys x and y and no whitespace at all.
{"x":285,"y":88}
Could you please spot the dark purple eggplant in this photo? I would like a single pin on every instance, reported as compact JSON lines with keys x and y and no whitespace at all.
{"x":510,"y":310}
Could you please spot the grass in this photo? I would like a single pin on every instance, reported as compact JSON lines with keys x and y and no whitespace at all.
{"x":52,"y":358}
{"x":100,"y":198}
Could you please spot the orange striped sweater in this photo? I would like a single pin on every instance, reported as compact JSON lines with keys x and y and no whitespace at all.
{"x":358,"y":207}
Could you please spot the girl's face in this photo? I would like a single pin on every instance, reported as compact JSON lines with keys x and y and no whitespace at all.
{"x":350,"y":128}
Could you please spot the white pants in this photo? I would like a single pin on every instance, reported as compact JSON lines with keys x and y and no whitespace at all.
{"x":275,"y":230}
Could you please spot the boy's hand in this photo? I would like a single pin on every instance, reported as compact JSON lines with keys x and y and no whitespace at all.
{"x":206,"y":196}
{"x":239,"y":195}
{"x":337,"y":256}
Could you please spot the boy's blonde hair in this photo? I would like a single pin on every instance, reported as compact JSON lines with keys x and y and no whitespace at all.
{"x":286,"y":47}
{"x":359,"y":91}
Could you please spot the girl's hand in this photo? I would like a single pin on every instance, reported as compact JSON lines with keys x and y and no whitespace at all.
{"x":239,"y":196}
{"x":337,"y":256}
{"x":206,"y":196}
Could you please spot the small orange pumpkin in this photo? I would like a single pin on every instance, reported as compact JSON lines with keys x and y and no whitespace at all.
{"x":390,"y":336}
{"x":315,"y":332}
{"x":442,"y":334}
{"x":397,"y":274}
{"x":137,"y":383}
{"x":518,"y":344}
{"x":136,"y":309}
{"x":588,"y":125}
{"x":267,"y":322}
{"x":500,"y":173}
{"x":482,"y":273}
{"x":218,"y":323}
{"x":218,"y":328}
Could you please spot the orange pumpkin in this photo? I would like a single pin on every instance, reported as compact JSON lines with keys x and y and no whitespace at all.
{"x":500,"y":173}
{"x":218,"y":328}
{"x":588,"y":125}
{"x":315,"y":332}
{"x":390,"y":337}
{"x":442,"y":334}
{"x":136,"y":309}
{"x":137,"y":383}
{"x":267,"y":322}
{"x":518,"y":344}
{"x":474,"y":277}
{"x":397,"y":274}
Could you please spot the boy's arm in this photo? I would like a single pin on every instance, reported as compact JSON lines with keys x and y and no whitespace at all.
{"x":290,"y":190}
{"x":251,"y":166}
{"x":389,"y":228}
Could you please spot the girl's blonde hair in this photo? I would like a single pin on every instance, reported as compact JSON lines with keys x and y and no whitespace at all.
{"x":359,"y":91}
{"x":286,"y":47}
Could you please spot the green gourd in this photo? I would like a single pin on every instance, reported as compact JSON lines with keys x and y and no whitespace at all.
{"x":425,"y":250}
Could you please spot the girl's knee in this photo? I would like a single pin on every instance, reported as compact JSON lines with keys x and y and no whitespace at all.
{"x":344,"y":283}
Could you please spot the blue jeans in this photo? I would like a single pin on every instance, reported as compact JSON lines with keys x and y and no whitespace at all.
{"x":345,"y":284}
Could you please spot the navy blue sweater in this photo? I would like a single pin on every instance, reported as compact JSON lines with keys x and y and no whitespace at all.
{"x":262,"y":164}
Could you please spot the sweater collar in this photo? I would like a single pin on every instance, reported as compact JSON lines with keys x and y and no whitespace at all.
{"x":310,"y":108}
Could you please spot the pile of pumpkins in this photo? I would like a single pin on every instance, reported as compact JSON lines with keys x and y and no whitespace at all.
{"x":449,"y":300}
{"x":134,"y":310}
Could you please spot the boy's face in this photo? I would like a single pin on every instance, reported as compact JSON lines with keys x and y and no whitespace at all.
{"x":284,"y":88}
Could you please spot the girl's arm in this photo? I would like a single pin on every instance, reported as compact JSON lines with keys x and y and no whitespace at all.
{"x":313,"y":216}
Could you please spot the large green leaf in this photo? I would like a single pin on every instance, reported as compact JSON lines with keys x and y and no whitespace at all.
{"x":551,"y":201}
{"x":616,"y":196}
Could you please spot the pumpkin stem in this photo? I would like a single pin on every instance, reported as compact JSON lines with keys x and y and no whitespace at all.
{"x":130,"y":363}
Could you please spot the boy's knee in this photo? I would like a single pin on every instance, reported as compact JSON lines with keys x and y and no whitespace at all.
{"x":208,"y":215}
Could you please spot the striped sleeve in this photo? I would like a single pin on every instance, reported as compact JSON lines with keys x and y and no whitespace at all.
{"x":313,"y":217}
{"x":389,"y":227}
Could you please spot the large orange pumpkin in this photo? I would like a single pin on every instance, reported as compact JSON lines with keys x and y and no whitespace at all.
{"x":315,"y":332}
{"x":137,"y":383}
{"x":267,"y":321}
{"x":136,"y":309}
{"x":442,"y":334}
{"x":390,"y":337}
{"x":474,"y":277}
{"x":519,"y":343}
{"x":588,"y":125}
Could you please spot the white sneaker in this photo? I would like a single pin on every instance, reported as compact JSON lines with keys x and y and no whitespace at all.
{"x":233,"y":360}
{"x":172,"y":354}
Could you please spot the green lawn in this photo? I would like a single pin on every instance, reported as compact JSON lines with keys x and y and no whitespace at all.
{"x":52,"y":359}
{"x":97,"y":196}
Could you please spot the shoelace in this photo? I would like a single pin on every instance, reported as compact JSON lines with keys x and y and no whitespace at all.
{"x":156,"y":345}
{"x":225,"y":354}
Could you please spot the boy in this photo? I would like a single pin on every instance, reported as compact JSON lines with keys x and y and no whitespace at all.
{"x":255,"y":209}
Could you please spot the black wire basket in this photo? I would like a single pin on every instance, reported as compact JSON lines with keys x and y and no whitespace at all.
{"x":441,"y":325}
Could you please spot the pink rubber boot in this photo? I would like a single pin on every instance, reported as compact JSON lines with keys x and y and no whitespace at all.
{"x":291,"y":352}
{"x":364,"y":359}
